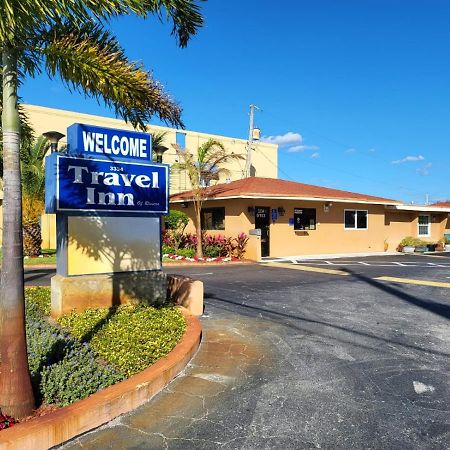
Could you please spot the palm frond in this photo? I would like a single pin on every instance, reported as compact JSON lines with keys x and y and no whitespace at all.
{"x":90,"y":60}
{"x":32,"y":156}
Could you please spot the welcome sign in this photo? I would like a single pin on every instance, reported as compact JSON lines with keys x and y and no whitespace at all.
{"x":101,"y":178}
{"x":88,"y":141}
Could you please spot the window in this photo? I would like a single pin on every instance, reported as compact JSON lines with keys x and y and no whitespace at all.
{"x":213,"y":219}
{"x":181,"y":139}
{"x":304,"y":219}
{"x":424,"y":226}
{"x":355,"y":219}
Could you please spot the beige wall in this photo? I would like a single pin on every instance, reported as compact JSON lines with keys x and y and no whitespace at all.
{"x":330,"y":235}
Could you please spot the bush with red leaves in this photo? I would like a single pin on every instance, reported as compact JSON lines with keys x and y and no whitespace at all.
{"x":6,"y":421}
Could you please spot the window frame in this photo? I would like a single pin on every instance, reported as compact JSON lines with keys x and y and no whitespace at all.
{"x":210,"y":209}
{"x":421,"y":225}
{"x":356,"y":219}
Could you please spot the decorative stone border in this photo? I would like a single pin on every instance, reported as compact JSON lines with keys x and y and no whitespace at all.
{"x":103,"y":406}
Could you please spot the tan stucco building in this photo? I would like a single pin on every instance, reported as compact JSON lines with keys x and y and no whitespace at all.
{"x":299,"y":219}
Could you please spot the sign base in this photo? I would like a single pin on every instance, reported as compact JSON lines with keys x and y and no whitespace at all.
{"x":104,"y":291}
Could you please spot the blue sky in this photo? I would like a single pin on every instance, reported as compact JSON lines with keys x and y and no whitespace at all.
{"x":357,"y":92}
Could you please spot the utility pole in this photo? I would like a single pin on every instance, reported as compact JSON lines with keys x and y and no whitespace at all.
{"x":248,"y":164}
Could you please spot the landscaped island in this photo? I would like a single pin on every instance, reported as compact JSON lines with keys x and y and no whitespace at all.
{"x":84,"y":352}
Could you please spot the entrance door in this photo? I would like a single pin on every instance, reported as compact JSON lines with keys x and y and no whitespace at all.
{"x":262,"y":221}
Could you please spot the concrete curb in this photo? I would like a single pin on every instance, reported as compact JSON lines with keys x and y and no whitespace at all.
{"x":103,"y":406}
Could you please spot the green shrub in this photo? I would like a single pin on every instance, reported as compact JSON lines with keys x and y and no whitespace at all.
{"x":176,"y":220}
{"x":186,"y":252}
{"x":411,"y":241}
{"x":212,"y":251}
{"x":83,"y":325}
{"x":133,"y":337}
{"x":166,"y":249}
{"x":76,"y":376}
{"x":40,"y":297}
{"x":62,"y":369}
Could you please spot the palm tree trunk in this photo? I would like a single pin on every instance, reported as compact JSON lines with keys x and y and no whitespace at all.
{"x":16,"y":393}
{"x":198,"y":228}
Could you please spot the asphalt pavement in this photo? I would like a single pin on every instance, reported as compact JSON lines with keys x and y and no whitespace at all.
{"x":310,"y":360}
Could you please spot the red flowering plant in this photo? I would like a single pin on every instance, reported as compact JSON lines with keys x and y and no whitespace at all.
{"x":6,"y":421}
{"x":241,"y":243}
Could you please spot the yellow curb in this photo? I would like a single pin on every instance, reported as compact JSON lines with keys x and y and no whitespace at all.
{"x":306,"y":268}
{"x":436,"y":256}
{"x":54,"y":428}
{"x":441,"y":284}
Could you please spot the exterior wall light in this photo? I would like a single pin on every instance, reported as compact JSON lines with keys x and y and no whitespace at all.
{"x":281,"y":211}
{"x":184,"y":205}
{"x":327,"y":206}
{"x":251,"y":209}
{"x":160,"y":149}
{"x":53,"y":137}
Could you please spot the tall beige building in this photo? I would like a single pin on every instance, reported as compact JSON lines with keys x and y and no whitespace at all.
{"x":264,"y":155}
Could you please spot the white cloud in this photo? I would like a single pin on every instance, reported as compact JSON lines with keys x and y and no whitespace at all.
{"x":371,"y":150}
{"x":288,"y":138}
{"x":315,"y":155}
{"x":302,"y":148}
{"x":425,"y":170}
{"x":350,"y":150}
{"x":408,"y":159}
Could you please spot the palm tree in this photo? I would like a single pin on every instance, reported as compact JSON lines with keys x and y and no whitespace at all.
{"x":33,"y":188}
{"x":69,"y":39}
{"x":206,"y":167}
{"x":157,"y":141}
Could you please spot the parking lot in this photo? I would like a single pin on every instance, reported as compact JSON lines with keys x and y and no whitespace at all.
{"x":348,"y":353}
{"x":363,"y":360}
{"x":433,"y":267}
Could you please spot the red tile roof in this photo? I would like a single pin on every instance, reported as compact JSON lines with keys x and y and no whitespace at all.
{"x":442,"y":204}
{"x":272,"y":187}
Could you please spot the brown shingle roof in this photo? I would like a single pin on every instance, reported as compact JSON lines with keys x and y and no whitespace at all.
{"x":271,"y":187}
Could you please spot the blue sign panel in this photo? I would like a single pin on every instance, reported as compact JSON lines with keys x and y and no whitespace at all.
{"x":274,"y":214}
{"x":95,"y":185}
{"x":87,"y":141}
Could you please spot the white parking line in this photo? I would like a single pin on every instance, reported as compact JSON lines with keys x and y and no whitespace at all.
{"x":363,"y":263}
{"x":398,"y":264}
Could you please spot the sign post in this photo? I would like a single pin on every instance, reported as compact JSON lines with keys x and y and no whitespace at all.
{"x":108,"y":197}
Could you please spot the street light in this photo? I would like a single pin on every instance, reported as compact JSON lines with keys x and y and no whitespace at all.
{"x":53,"y":137}
{"x":160,"y":149}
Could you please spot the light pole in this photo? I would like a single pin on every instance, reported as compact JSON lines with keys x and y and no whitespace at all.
{"x":160,"y":149}
{"x":253,"y":135}
{"x":53,"y":137}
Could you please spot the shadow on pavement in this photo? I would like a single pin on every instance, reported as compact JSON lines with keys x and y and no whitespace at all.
{"x":440,"y":309}
{"x":278,"y":317}
{"x":37,"y":274}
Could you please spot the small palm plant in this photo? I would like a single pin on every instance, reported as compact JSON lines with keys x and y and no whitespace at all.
{"x":32,"y":156}
{"x":201,"y":169}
